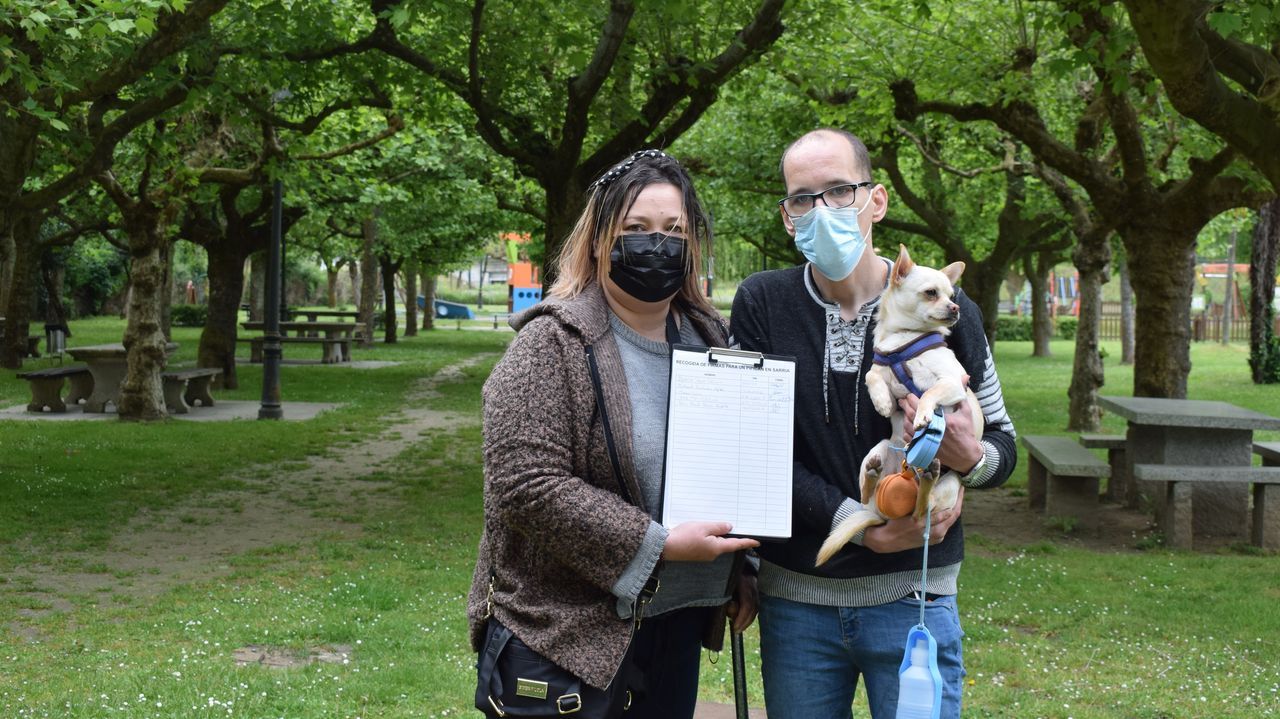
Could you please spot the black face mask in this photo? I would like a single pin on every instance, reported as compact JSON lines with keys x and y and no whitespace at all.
{"x":649,"y":267}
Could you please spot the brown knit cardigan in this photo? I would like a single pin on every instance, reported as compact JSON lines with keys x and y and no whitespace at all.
{"x":556,"y":531}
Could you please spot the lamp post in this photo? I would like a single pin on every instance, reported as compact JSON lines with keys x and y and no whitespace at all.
{"x":273,"y":308}
{"x":271,"y":350}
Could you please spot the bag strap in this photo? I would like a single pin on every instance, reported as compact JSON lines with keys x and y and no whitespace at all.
{"x":608,"y":428}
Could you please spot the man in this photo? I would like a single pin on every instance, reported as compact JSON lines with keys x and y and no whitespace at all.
{"x":822,"y":628}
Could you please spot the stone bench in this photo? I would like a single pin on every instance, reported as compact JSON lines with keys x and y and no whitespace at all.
{"x":335,"y":349}
{"x":1119,"y":488}
{"x":184,"y":387}
{"x":46,"y":387}
{"x":1176,"y":519}
{"x":1269,"y":451}
{"x":33,"y":345}
{"x":1063,"y":478}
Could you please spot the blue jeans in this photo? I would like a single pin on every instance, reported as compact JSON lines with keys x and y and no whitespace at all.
{"x":812,"y":656}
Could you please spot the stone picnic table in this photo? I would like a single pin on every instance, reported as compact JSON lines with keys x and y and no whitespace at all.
{"x":331,"y":330}
{"x":1195,"y":433}
{"x":336,"y":341}
{"x":107,"y":364}
{"x":315,"y":315}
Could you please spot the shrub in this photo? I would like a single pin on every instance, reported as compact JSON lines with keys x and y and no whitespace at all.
{"x":1067,"y":327}
{"x":1013,"y":328}
{"x":189,"y":315}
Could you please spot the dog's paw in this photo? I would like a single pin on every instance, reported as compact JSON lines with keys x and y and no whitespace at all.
{"x":873,"y":466}
{"x":934,"y":470}
{"x":883,"y":402}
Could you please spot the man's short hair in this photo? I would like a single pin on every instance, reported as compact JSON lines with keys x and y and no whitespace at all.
{"x":861,"y":158}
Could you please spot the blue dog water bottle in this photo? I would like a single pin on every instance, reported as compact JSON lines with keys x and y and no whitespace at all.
{"x":919,"y":682}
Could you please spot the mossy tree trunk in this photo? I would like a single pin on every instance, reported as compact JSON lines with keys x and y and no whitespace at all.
{"x":24,"y":229}
{"x":429,"y":297}
{"x":1092,"y":256}
{"x":141,"y":395}
{"x":1037,"y":269}
{"x":389,"y":269}
{"x":368,"y":276}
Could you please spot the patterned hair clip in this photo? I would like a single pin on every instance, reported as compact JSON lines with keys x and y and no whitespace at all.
{"x":621,"y":168}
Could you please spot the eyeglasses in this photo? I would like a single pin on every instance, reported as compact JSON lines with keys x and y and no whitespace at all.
{"x":833,"y":197}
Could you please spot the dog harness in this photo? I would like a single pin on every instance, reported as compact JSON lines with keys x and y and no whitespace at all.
{"x":897,"y":359}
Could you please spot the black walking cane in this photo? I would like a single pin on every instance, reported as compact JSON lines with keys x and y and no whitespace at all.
{"x":739,"y":675}
{"x":736,"y":651}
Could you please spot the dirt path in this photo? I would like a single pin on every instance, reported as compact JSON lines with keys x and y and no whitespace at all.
{"x":195,"y":539}
{"x":1002,"y":518}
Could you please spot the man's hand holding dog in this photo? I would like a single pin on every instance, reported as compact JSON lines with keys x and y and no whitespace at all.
{"x":960,"y":450}
{"x":898,"y":535}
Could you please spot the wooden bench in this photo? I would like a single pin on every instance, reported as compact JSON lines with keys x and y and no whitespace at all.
{"x":46,"y":387}
{"x":335,"y":349}
{"x":1176,"y":519}
{"x":1269,"y":451}
{"x":1119,"y":488}
{"x":184,"y":387}
{"x":1063,"y":478}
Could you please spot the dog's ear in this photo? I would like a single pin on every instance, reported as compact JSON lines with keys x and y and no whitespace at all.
{"x":953,"y":271}
{"x":902,"y":266}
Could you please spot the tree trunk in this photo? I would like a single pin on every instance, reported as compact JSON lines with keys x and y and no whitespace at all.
{"x":982,"y":284}
{"x":1228,"y":298}
{"x":25,"y":228}
{"x":1263,"y":347}
{"x":257,"y":286}
{"x":368,"y":277}
{"x":332,"y":274}
{"x":1013,"y":282}
{"x":1041,"y":323}
{"x":1091,"y":258}
{"x":141,"y":395}
{"x":388,"y":270}
{"x":52,"y":274}
{"x":218,"y":339}
{"x":429,"y":301}
{"x":1126,"y":314}
{"x":564,"y":204}
{"x":353,"y":271}
{"x":411,"y":300}
{"x":1162,"y":352}
{"x":7,"y":252}
{"x":166,"y":289}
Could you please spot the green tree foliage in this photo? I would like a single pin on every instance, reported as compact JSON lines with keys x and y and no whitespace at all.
{"x":1220,"y":65}
{"x":601,"y":81}
{"x":95,"y":271}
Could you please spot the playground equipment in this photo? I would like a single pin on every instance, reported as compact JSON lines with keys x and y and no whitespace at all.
{"x":446,"y":310}
{"x":523,"y":288}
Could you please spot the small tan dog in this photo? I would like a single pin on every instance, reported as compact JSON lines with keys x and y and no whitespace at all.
{"x":916,"y":315}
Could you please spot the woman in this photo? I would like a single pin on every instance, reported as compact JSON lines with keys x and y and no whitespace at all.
{"x":574,"y":573}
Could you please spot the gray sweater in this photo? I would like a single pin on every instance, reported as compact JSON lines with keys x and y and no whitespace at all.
{"x":684,"y":584}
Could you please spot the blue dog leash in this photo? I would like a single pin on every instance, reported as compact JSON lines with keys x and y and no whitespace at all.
{"x":919,"y":680}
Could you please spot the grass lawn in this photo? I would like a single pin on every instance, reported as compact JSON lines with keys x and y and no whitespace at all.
{"x":1052,"y":631}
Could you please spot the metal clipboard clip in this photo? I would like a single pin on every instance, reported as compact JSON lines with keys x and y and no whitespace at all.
{"x":728,"y":356}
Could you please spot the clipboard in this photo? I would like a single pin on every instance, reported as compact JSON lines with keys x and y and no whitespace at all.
{"x":730,"y":425}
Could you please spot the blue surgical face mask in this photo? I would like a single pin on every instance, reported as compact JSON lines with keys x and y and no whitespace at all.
{"x":831,"y":239}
